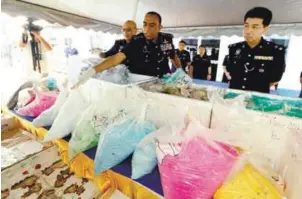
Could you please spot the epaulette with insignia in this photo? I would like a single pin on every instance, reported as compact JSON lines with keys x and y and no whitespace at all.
{"x":278,"y":47}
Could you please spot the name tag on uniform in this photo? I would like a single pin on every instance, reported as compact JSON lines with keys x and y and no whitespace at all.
{"x":267,"y":58}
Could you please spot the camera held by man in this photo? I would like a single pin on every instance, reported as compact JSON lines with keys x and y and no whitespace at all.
{"x":34,"y":43}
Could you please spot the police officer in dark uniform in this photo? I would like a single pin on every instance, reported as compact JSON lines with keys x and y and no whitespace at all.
{"x":148,"y":52}
{"x":183,"y":55}
{"x":256,"y":64}
{"x":129,"y":31}
{"x":201,"y":65}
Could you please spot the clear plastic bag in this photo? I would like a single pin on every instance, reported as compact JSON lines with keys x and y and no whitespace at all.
{"x":179,"y":77}
{"x":95,"y":121}
{"x":48,"y":116}
{"x":119,"y":141}
{"x":144,"y":158}
{"x":13,"y":101}
{"x":195,"y":166}
{"x":259,"y":133}
{"x":41,"y":102}
{"x":25,"y":97}
{"x":68,"y":116}
{"x":117,"y":75}
{"x":168,"y":118}
{"x":261,"y":136}
{"x":265,"y":104}
{"x":250,"y":179}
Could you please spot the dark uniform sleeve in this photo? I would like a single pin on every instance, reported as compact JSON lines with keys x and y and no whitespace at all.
{"x":131,"y":49}
{"x":208,"y":61}
{"x":114,"y":50}
{"x":279,"y":64}
{"x":194,"y":60}
{"x":188,"y":57}
{"x":226,"y":62}
{"x":169,"y":38}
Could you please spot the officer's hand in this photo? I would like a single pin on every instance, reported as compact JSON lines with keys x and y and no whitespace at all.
{"x":273,"y":84}
{"x":209,"y":77}
{"x":228,"y":76}
{"x":102,"y":55}
{"x":84,"y":78}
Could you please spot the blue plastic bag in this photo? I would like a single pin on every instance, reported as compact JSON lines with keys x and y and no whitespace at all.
{"x":144,"y":160}
{"x":119,"y":142}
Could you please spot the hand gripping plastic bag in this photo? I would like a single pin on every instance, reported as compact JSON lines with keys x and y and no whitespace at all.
{"x":95,"y":121}
{"x":68,"y":116}
{"x":196,"y":166}
{"x":119,"y":141}
{"x":117,"y":75}
{"x":43,"y":100}
{"x":48,"y":116}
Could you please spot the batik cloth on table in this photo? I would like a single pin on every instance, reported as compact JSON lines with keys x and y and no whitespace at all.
{"x":83,"y":166}
{"x":43,"y":176}
{"x":17,"y":145}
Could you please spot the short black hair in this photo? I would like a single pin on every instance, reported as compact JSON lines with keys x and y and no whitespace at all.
{"x":182,"y":41}
{"x":201,"y":46}
{"x":156,"y":14}
{"x":260,"y":12}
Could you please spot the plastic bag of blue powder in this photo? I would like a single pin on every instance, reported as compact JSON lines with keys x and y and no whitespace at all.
{"x":144,"y":158}
{"x":119,"y":142}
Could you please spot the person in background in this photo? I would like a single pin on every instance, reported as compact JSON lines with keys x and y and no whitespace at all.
{"x":183,"y":55}
{"x":201,"y":65}
{"x":129,"y":31}
{"x":227,"y":76}
{"x":43,"y":48}
{"x":301,"y":84}
{"x":148,"y":52}
{"x":256,"y":64}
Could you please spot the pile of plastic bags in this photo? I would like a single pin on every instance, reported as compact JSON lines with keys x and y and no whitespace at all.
{"x":117,"y":75}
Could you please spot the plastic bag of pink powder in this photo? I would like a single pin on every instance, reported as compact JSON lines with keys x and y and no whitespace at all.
{"x":43,"y":101}
{"x":195,"y":167}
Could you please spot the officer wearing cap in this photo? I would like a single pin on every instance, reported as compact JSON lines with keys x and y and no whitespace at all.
{"x":201,"y":65}
{"x":149,"y":52}
{"x":129,"y":31}
{"x":183,"y":55}
{"x":255,"y":64}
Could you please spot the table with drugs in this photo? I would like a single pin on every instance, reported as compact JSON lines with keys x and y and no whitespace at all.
{"x":121,"y":132}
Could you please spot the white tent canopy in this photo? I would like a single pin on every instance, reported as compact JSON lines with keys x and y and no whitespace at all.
{"x":183,"y":18}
